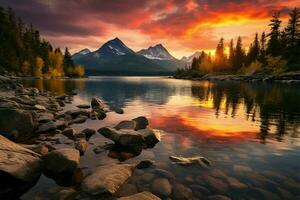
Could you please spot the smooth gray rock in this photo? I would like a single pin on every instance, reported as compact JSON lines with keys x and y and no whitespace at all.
{"x":111,"y":176}
{"x":19,"y":167}
{"x":161,"y":187}
{"x":49,"y":126}
{"x":61,"y":164}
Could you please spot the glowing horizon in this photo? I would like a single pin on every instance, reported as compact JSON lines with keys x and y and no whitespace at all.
{"x":183,"y":27}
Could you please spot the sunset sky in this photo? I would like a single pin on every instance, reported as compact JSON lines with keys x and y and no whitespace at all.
{"x":182,"y":26}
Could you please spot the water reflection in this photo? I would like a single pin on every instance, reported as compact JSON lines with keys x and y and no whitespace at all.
{"x":223,"y":121}
{"x":224,"y":109}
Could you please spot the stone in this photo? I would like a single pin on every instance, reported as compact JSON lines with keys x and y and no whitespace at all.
{"x":81,"y":145}
{"x":88,"y":132}
{"x":84,"y":106}
{"x":65,"y":194}
{"x":218,"y":197}
{"x":141,"y":196}
{"x":69,"y":133}
{"x":235,"y":184}
{"x":126,"y":124}
{"x":101,"y":114}
{"x":61,"y":124}
{"x":49,"y":126}
{"x":164,"y":173}
{"x":97,"y":104}
{"x":241,"y":168}
{"x":151,"y":136}
{"x":41,"y":149}
{"x":61,"y":164}
{"x":145,"y":164}
{"x":78,"y":112}
{"x":217,"y":184}
{"x":182,"y":192}
{"x":117,"y":109}
{"x":198,"y":160}
{"x":111,"y":176}
{"x":39,"y":107}
{"x":80,"y":119}
{"x":20,"y":169}
{"x":161,"y":187}
{"x":15,"y":123}
{"x":45,"y":117}
{"x":141,"y":122}
{"x":128,"y":138}
{"x":126,"y":190}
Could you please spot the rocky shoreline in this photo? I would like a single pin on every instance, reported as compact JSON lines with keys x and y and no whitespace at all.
{"x":32,"y":120}
{"x":289,"y":78}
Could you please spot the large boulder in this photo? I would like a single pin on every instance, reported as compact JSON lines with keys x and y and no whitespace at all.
{"x":141,"y":196}
{"x":127,"y":138}
{"x":61,"y":164}
{"x":20,"y":169}
{"x":15,"y":123}
{"x":107,"y":179}
{"x":126,"y":124}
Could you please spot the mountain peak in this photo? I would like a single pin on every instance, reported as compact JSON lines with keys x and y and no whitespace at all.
{"x":81,"y":53}
{"x":158,"y":52}
{"x":114,"y":47}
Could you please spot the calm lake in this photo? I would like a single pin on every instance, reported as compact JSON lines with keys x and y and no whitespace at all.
{"x":249,"y":131}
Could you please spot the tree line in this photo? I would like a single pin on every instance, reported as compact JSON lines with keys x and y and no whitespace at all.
{"x":23,"y":52}
{"x":277,"y":51}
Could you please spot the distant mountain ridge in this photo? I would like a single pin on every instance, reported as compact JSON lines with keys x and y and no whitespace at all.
{"x":158,"y":52}
{"x":190,"y":58}
{"x":114,"y":57}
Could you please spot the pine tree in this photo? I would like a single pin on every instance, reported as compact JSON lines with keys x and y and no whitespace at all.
{"x":292,"y":31}
{"x":254,"y":51}
{"x":262,"y":53}
{"x":220,"y":60}
{"x":274,"y":45}
{"x":231,"y":54}
{"x":239,"y":55}
{"x":68,"y":63}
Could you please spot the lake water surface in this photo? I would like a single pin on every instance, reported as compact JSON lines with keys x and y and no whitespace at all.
{"x":249,"y":131}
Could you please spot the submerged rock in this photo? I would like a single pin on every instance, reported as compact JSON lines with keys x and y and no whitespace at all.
{"x":61,"y":164}
{"x":141,"y":196}
{"x":218,"y":197}
{"x":161,"y":187}
{"x":111,"y":176}
{"x":20,"y":169}
{"x":182,"y":192}
{"x":199,"y":160}
{"x":88,"y":132}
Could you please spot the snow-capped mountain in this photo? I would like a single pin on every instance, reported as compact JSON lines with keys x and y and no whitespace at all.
{"x":190,"y":58}
{"x":158,"y":52}
{"x":81,"y":53}
{"x":113,"y":47}
{"x":115,"y":58}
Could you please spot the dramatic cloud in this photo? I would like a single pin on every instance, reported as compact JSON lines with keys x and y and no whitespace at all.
{"x":183,"y":26}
